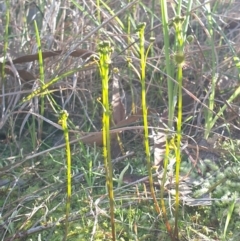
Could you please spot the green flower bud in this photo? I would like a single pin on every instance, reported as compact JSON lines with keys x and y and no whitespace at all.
{"x":190,"y":38}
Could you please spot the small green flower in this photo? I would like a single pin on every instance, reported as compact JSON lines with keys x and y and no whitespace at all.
{"x":179,"y":58}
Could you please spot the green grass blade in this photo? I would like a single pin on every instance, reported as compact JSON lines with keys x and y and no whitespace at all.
{"x":40,"y":58}
{"x":42,"y":77}
{"x":229,"y":215}
{"x":166,"y":34}
{"x":5,"y":48}
{"x":209,"y":111}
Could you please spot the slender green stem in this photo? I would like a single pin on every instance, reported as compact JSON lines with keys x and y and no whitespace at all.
{"x":129,"y":55}
{"x":112,"y":13}
{"x":105,"y":51}
{"x":63,"y":121}
{"x":140,"y":29}
{"x":42,"y":78}
{"x":179,"y":59}
{"x":5,"y":48}
{"x":164,"y":178}
{"x":40,"y":58}
{"x":44,"y":88}
{"x":98,"y":11}
{"x":171,"y":105}
{"x":179,"y":8}
{"x":209,"y":111}
{"x":152,"y":24}
{"x":186,"y":22}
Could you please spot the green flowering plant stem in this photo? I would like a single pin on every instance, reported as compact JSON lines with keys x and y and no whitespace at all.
{"x":140,"y":31}
{"x":162,"y":191}
{"x":105,"y":51}
{"x":63,"y":122}
{"x":179,"y":58}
